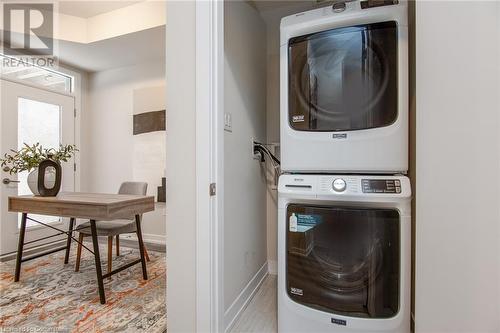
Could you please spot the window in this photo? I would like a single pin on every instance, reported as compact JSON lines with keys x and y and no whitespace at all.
{"x":17,"y":70}
{"x":37,"y":122}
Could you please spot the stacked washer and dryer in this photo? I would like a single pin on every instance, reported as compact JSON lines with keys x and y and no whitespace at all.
{"x":344,"y":202}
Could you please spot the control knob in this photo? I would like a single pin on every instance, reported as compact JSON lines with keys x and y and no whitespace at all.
{"x":339,"y":185}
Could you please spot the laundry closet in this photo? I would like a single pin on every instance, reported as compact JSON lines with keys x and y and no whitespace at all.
{"x":328,"y":96}
{"x":454,"y":158}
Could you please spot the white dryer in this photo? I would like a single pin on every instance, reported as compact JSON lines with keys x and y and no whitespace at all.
{"x":344,"y":254}
{"x":344,"y":89}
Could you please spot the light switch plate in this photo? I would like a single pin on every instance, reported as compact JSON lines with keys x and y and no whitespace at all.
{"x":228,"y":122}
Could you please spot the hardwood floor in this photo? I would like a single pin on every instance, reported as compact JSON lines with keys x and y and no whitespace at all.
{"x":261,"y":314}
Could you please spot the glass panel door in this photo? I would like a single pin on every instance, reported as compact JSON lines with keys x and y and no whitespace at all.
{"x":30,"y":115}
{"x":37,"y":122}
{"x":344,"y":79}
{"x":344,"y":260}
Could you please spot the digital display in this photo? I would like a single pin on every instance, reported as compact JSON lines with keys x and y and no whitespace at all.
{"x":377,"y":184}
{"x":377,"y":3}
{"x":381,"y":185}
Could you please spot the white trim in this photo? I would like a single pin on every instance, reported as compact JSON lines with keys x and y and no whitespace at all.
{"x":241,"y":302}
{"x":273,"y":267}
{"x":36,"y":86}
{"x":148,"y":238}
{"x":77,"y":93}
{"x":33,"y":250}
{"x":217,"y":110}
{"x":209,"y":167}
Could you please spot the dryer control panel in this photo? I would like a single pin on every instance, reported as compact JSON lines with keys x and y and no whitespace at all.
{"x":381,"y":185}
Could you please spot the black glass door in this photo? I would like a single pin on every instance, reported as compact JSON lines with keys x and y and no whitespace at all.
{"x":344,"y":79}
{"x":344,"y":260}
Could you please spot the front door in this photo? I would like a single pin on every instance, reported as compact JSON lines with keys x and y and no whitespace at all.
{"x":28,"y":116}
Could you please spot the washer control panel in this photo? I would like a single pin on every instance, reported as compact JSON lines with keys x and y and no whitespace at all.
{"x":339,"y":185}
{"x":346,"y":187}
{"x":381,"y":185}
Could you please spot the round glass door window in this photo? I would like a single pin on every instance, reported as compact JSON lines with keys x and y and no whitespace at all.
{"x":344,"y":260}
{"x":344,"y":79}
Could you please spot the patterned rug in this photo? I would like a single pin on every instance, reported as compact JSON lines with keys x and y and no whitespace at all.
{"x":51,"y":297}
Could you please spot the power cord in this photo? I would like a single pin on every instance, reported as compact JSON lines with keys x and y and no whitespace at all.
{"x":263,"y":150}
{"x":259,"y":147}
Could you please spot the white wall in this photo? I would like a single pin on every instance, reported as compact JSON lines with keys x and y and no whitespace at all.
{"x":244,"y":190}
{"x":457,"y":167}
{"x":150,"y":149}
{"x":273,"y":19}
{"x":272,"y":130}
{"x":107,"y":142}
{"x":181,"y":189}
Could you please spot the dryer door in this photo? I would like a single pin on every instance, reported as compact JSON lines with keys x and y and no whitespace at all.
{"x":344,"y":79}
{"x":344,"y":260}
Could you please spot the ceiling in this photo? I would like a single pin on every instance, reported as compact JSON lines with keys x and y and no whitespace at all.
{"x":86,"y":9}
{"x":270,"y":5}
{"x":126,"y":50}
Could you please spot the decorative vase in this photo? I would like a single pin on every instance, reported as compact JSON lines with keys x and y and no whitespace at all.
{"x":45,"y":169}
{"x":50,"y":180}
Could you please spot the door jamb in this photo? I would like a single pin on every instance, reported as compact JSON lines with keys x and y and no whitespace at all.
{"x":209,"y":165}
{"x":77,"y":94}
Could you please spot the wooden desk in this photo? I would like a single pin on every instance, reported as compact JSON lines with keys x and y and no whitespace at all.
{"x":92,"y":206}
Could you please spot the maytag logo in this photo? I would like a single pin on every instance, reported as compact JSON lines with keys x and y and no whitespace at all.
{"x":298,"y":119}
{"x":339,"y":321}
{"x":339,"y":136}
{"x":297,"y":291}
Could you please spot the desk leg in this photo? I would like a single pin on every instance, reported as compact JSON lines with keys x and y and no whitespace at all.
{"x":141,"y":246}
{"x":68,"y":242}
{"x":98,"y":269}
{"x":20,"y":246}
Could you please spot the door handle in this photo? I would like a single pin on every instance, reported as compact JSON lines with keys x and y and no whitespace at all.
{"x":7,"y":181}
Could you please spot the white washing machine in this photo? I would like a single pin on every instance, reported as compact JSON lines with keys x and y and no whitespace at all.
{"x":344,"y":89}
{"x":344,"y":254}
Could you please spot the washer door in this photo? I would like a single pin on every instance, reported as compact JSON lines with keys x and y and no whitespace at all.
{"x":344,"y":260}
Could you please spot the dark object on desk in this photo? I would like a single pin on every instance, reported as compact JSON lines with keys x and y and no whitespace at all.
{"x":43,"y":168}
{"x":162,"y":190}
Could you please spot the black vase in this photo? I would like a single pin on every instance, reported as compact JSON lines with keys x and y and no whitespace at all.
{"x":49,"y":192}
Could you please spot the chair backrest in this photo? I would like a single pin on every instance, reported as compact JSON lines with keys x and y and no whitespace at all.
{"x":137,"y":188}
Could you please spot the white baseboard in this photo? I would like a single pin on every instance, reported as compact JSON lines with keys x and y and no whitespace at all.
{"x":240,"y":303}
{"x":147,"y":238}
{"x":33,"y":250}
{"x":273,"y":267}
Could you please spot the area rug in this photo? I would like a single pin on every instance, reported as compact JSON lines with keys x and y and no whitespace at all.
{"x":51,"y":297}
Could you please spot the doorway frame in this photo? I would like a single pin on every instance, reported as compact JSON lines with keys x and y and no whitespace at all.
{"x":209,"y":152}
{"x":38,"y":93}
{"x":76,"y":93}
